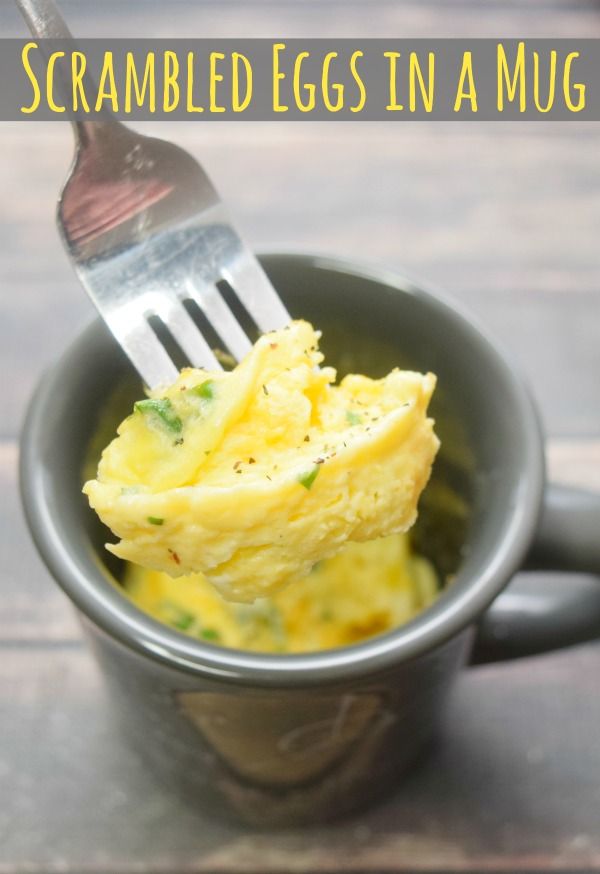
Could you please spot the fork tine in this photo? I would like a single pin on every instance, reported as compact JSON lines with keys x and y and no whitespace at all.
{"x":190,"y":339}
{"x":253,"y":287}
{"x":222,"y":319}
{"x":143,"y":348}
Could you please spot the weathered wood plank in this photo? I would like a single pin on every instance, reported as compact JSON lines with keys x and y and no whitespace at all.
{"x":504,"y":220}
{"x":553,"y":342}
{"x":351,"y":18}
{"x":34,"y":611}
{"x":575,"y":463}
{"x":504,"y":217}
{"x":474,"y":208}
{"x":513,"y":784}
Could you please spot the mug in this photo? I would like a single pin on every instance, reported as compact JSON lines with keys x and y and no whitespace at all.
{"x":290,"y":739}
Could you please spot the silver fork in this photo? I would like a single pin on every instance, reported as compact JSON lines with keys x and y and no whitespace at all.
{"x":146,"y":232}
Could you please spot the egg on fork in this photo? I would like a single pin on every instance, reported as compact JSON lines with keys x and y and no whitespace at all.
{"x":251,"y":477}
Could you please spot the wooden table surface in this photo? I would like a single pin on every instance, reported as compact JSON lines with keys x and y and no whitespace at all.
{"x":506,"y":217}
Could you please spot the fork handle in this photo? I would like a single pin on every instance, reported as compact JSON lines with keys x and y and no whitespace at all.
{"x":45,"y":21}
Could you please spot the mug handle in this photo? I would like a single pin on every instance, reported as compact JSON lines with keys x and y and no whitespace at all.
{"x":546,"y":611}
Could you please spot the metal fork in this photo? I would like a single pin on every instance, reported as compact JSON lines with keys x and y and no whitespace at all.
{"x":146,"y":232}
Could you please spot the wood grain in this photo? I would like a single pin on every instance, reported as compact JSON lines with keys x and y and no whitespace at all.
{"x":512,"y":785}
{"x":34,"y":612}
{"x":505,"y":218}
{"x":315,"y":18}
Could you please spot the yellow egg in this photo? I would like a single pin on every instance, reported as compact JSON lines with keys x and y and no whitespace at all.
{"x":366,"y":589}
{"x":252,"y":477}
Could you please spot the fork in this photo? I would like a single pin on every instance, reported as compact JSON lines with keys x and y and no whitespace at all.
{"x":150,"y":239}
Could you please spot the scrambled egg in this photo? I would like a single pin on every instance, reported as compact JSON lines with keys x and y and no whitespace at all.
{"x":366,"y":589}
{"x":252,"y":477}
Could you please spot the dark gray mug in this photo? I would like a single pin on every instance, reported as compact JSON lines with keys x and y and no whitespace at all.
{"x":282,"y":739}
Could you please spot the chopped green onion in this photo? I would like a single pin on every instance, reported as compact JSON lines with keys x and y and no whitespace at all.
{"x":155,"y":520}
{"x":210,"y":634}
{"x":353,"y":418}
{"x":184,"y":621}
{"x":161,"y":409}
{"x":205,"y":390}
{"x":307,"y":479}
{"x":225,"y":358}
{"x":178,"y":618}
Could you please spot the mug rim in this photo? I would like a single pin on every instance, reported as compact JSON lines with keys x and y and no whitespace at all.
{"x":452,"y":612}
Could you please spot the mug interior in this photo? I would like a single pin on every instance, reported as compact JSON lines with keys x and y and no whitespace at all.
{"x":476,"y":518}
